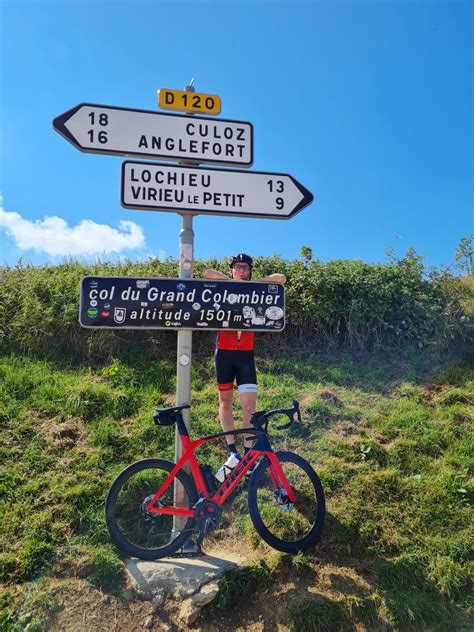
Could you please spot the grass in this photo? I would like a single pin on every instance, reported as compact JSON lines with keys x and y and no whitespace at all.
{"x":391,"y":438}
{"x":319,"y":615}
{"x":105,"y":569}
{"x":366,"y":609}
{"x":238,"y":584}
{"x":32,"y":609}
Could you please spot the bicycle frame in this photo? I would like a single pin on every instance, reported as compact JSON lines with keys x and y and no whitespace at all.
{"x":262,"y":448}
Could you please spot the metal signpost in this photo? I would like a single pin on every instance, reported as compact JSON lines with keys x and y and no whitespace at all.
{"x":183,"y":304}
{"x":185,"y":342}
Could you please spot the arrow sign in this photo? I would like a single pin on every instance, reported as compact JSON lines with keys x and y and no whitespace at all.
{"x":149,"y":186}
{"x":105,"y":129}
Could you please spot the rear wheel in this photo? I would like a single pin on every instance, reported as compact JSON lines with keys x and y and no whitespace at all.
{"x":287,"y":526}
{"x":135,"y":530}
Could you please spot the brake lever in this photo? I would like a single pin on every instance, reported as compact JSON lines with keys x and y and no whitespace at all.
{"x":296,"y":406}
{"x":289,"y":413}
{"x":259,"y":420}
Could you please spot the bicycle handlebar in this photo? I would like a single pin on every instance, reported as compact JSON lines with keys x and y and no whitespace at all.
{"x":261,"y":418}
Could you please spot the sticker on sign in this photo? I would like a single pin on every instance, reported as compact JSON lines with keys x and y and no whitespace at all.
{"x":149,"y":186}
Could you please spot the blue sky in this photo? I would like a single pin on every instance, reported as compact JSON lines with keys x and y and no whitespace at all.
{"x":368,"y":104}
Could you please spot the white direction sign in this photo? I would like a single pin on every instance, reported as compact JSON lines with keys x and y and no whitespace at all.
{"x":148,"y":186}
{"x":113,"y":130}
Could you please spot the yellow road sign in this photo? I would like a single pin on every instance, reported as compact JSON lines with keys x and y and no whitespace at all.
{"x":189,"y":101}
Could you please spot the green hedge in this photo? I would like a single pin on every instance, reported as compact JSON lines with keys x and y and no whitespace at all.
{"x":345,"y":303}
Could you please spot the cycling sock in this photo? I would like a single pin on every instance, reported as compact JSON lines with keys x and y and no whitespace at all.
{"x":232,"y":448}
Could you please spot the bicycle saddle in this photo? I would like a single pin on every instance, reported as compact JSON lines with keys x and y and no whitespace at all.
{"x":172,"y":409}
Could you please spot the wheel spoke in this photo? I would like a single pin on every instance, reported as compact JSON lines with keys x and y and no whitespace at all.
{"x":284,"y":524}
{"x":287,"y":521}
{"x":140,"y":532}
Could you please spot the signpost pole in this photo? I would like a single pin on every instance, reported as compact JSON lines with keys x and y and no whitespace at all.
{"x":184,"y":353}
{"x":185,"y":336}
{"x":183,"y":364}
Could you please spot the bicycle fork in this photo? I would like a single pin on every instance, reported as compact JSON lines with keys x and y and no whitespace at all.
{"x":278,"y":476}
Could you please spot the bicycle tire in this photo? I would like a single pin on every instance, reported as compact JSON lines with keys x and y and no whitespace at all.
{"x":133,"y":529}
{"x":287,"y":527}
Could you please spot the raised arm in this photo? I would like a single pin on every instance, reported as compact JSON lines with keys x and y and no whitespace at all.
{"x":214,"y":274}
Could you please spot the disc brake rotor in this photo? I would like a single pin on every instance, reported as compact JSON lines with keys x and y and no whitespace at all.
{"x":282,"y":500}
{"x":147,"y":515}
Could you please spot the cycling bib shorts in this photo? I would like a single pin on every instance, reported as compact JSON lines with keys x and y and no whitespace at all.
{"x":234,"y":359}
{"x":238,"y":365}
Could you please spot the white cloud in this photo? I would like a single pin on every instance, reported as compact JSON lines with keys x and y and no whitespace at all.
{"x":53,"y":235}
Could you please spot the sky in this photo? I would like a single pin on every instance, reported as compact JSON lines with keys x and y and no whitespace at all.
{"x":368,"y":104}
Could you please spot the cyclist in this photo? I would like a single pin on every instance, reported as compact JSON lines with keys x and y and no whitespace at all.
{"x":234,"y":359}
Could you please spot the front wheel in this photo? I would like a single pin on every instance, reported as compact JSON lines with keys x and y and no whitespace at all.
{"x":285,"y":526}
{"x":137,"y":532}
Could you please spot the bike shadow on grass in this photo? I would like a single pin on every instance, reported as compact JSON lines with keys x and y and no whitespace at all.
{"x":339,"y":583}
{"x":347,"y":579}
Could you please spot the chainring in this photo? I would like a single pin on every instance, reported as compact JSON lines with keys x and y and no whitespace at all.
{"x":207,"y":515}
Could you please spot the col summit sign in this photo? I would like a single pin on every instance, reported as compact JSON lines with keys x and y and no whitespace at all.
{"x":128,"y":303}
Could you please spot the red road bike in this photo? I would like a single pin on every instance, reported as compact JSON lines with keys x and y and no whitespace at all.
{"x":154,"y":506}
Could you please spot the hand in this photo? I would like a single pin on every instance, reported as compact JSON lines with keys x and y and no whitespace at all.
{"x":274,"y":278}
{"x":214,"y":274}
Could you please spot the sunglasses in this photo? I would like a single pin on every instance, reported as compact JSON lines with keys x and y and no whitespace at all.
{"x":241,"y":266}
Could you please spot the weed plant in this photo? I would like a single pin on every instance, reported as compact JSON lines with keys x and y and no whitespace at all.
{"x":238,"y":585}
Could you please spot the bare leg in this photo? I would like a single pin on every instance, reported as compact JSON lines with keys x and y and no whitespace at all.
{"x":225,"y":413}
{"x":248,"y":402}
